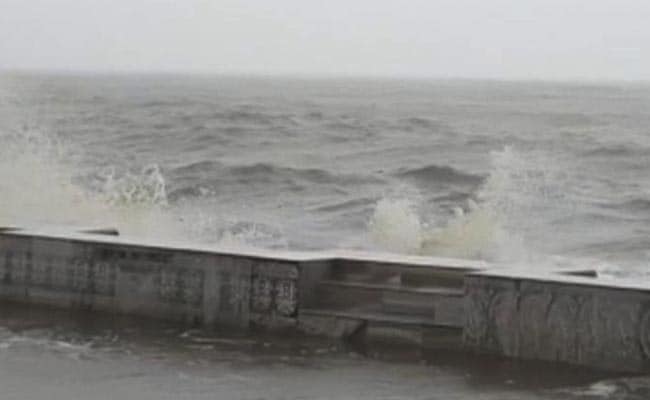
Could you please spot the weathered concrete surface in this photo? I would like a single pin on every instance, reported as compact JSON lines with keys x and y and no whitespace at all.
{"x":565,"y":316}
{"x":109,"y":273}
{"x":597,"y":323}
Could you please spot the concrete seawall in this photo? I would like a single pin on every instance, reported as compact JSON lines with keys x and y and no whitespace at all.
{"x":94,"y":271}
{"x":434,"y":303}
{"x":571,"y":319}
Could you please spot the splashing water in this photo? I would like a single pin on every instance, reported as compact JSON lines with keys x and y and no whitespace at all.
{"x":42,"y":183}
{"x":147,"y":188}
{"x":475,"y":233}
{"x":39,"y":177}
{"x":208,"y":224}
{"x":36,"y":179}
{"x":510,"y":211}
{"x":396,"y":226}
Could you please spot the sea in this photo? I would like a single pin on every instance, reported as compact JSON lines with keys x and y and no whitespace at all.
{"x":532,"y":175}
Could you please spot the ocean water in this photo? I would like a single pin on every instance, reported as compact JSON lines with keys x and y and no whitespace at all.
{"x":528,"y":174}
{"x":515,"y":172}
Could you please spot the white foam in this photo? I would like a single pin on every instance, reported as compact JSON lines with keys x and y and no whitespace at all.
{"x":396,"y":225}
{"x":510,"y":211}
{"x":39,"y":185}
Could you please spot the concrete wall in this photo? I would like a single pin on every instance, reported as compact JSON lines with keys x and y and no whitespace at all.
{"x":559,"y":316}
{"x":584,"y":321}
{"x":194,"y":286}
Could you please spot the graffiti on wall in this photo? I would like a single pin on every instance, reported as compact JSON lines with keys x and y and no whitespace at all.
{"x":559,"y":323}
{"x":180,"y":285}
{"x":274,"y":289}
{"x":75,"y":274}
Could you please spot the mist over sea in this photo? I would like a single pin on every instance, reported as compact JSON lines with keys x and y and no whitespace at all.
{"x":534,"y":175}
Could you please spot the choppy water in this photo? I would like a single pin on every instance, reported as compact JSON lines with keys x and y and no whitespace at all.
{"x":532,"y":174}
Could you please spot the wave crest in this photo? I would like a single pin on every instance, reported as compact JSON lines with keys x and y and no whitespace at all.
{"x":433,"y":173}
{"x":504,"y":219}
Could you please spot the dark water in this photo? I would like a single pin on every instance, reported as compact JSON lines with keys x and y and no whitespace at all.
{"x":537,"y":174}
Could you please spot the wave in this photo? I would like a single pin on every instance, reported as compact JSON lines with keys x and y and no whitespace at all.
{"x":197,"y":167}
{"x":255,"y":117}
{"x":616,"y":150}
{"x":453,"y":197}
{"x":505,"y":214}
{"x":267,"y":172}
{"x":56,"y":189}
{"x":506,"y":218}
{"x":344,"y":126}
{"x":315,"y":115}
{"x":423,"y":123}
{"x":135,"y":200}
{"x":433,"y":173}
{"x":191,"y":179}
{"x":345,"y":205}
{"x":637,"y":204}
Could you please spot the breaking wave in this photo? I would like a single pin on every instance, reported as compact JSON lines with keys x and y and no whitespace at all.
{"x":504,"y":219}
{"x":43,"y":183}
{"x":37,"y":182}
{"x":440,"y":174}
{"x":505,"y":216}
{"x":205,"y":177}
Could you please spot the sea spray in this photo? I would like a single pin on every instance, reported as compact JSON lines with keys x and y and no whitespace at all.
{"x":471,"y":233}
{"x":41,"y":183}
{"x":37,"y":182}
{"x":206,"y":222}
{"x":146,"y":187}
{"x":396,"y":225}
{"x":527,"y":192}
{"x":507,"y":218}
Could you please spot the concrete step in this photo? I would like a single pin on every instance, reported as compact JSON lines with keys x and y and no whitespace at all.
{"x":452,"y":279}
{"x":342,"y":295}
{"x":370,"y":315}
{"x":442,"y":305}
{"x":406,"y":274}
{"x":375,"y":325}
{"x":367,"y":276}
{"x":388,"y":287}
{"x":446,"y":310}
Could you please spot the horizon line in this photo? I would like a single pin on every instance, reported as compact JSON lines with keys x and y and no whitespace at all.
{"x":316,"y":76}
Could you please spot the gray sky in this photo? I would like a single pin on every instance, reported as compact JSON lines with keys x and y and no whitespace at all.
{"x":518,"y":39}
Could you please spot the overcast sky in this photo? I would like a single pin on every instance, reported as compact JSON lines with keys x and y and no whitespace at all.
{"x":516,"y":39}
